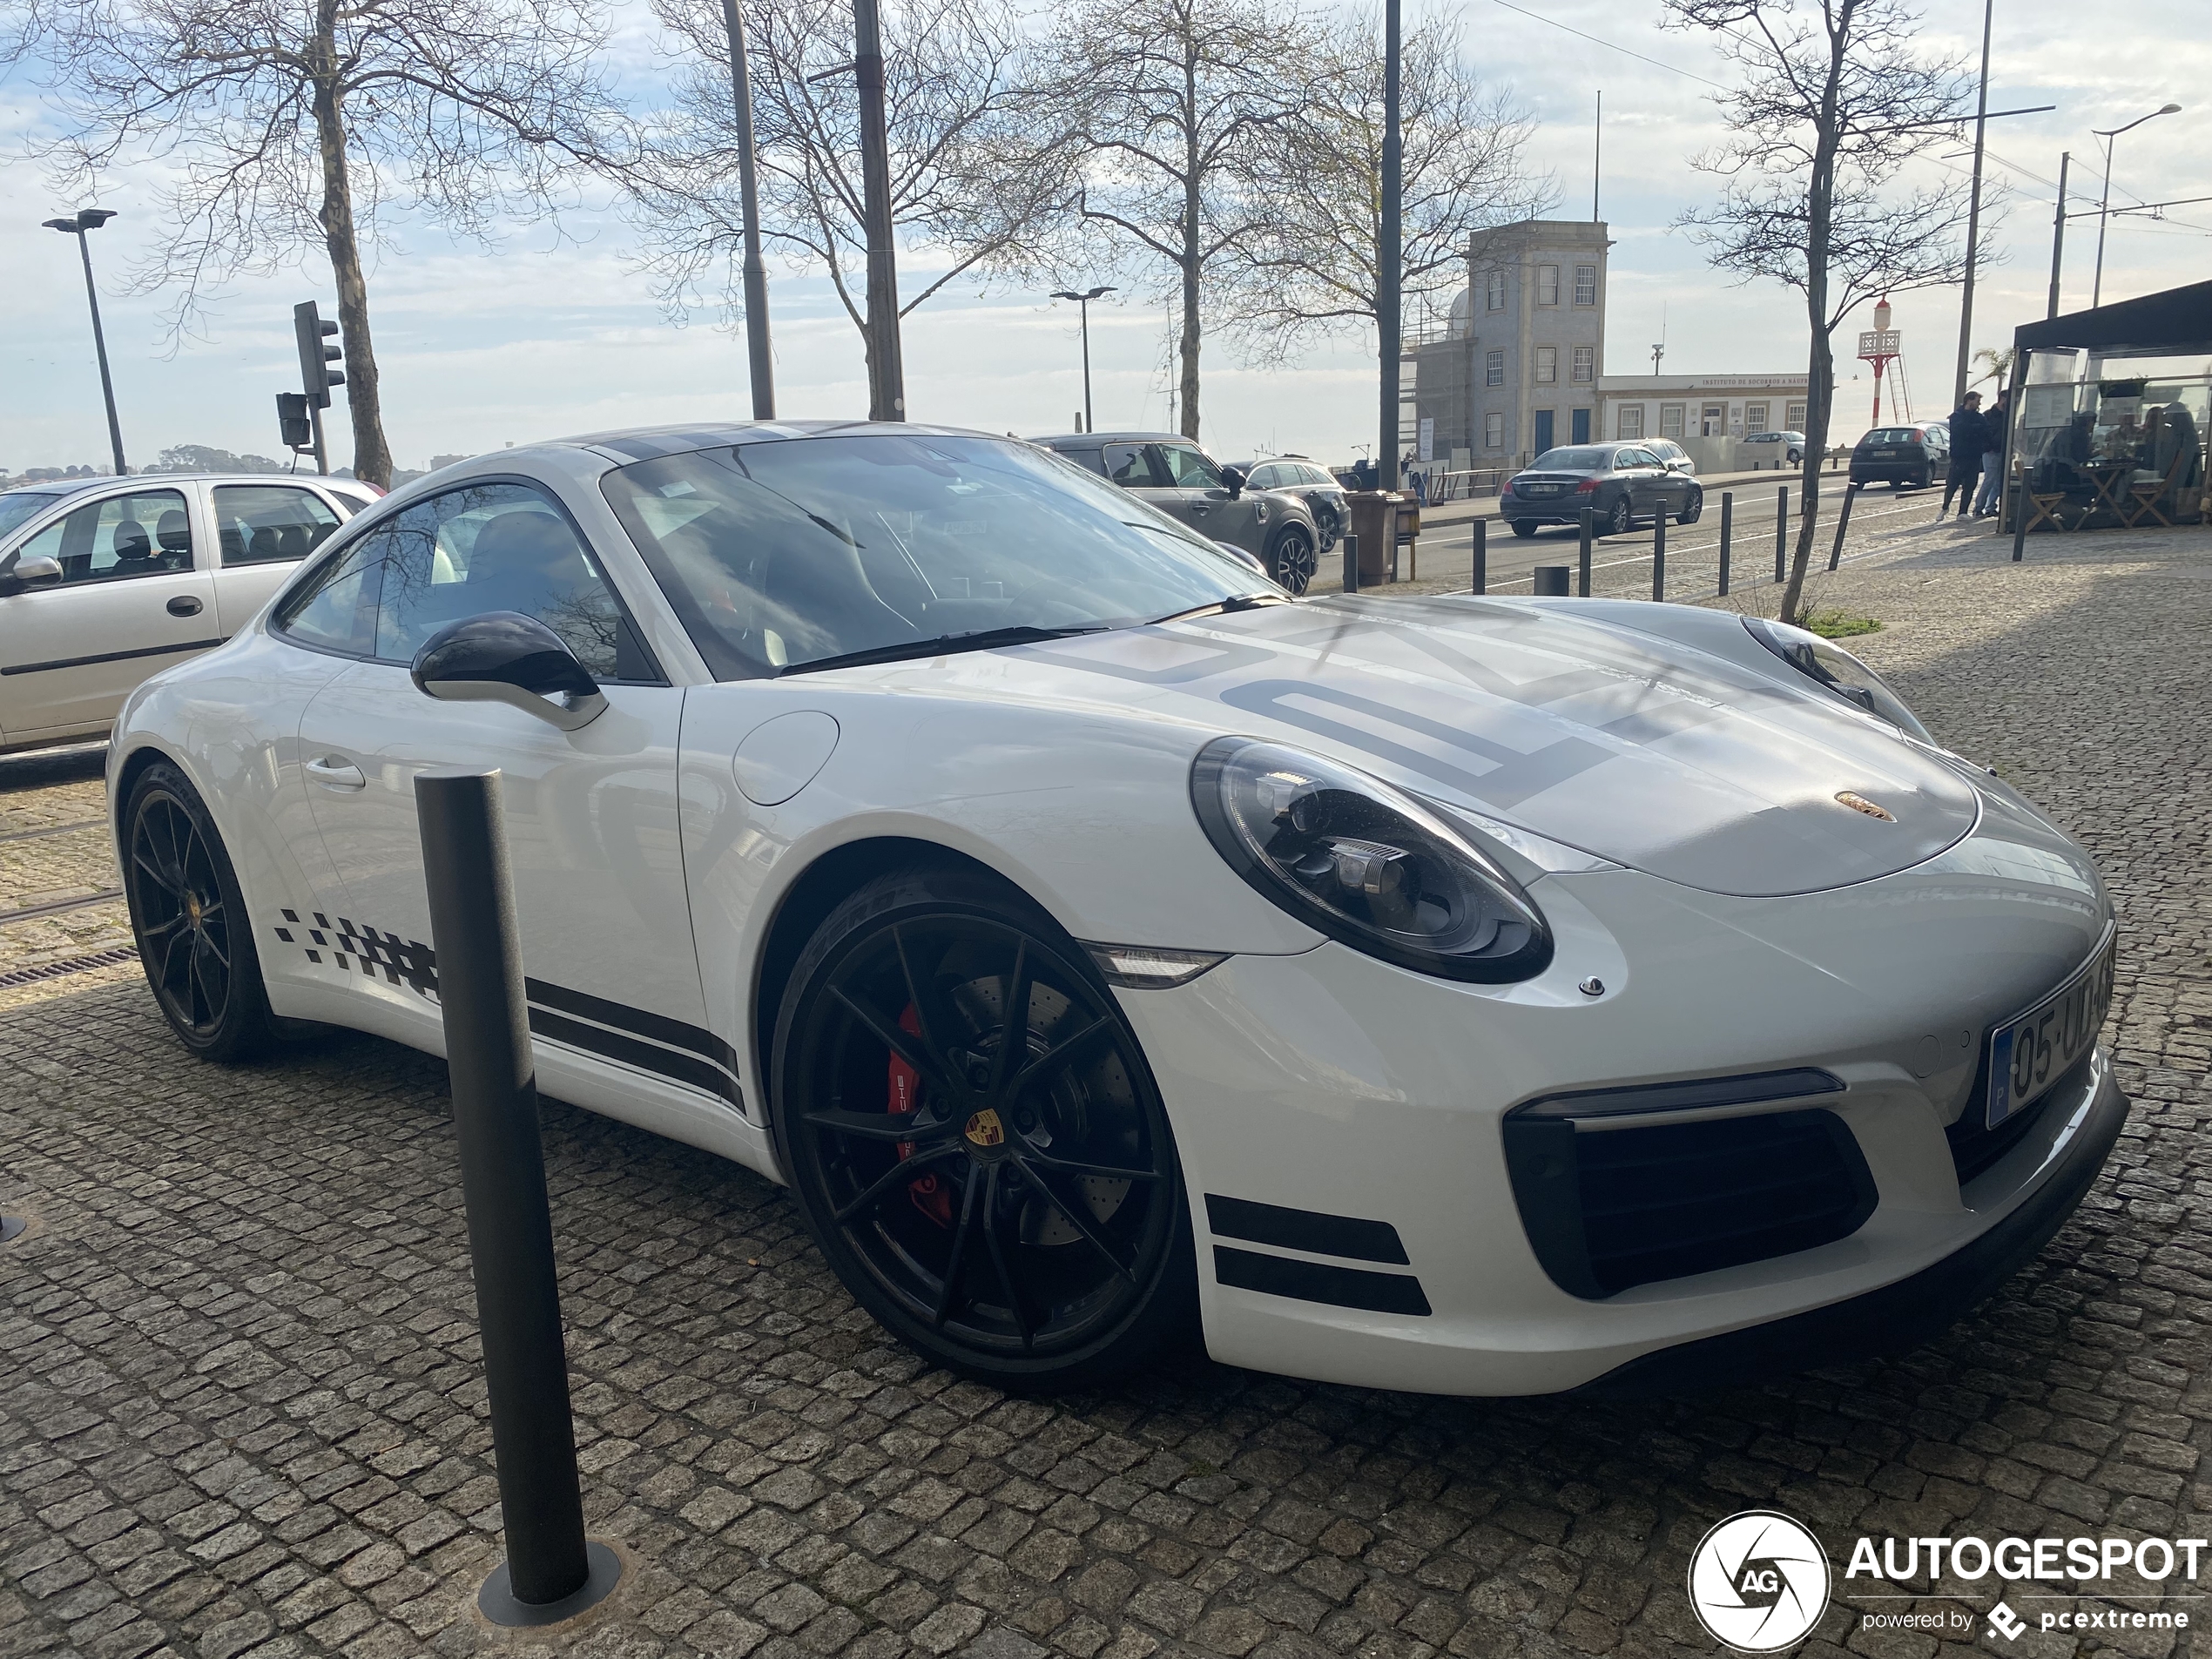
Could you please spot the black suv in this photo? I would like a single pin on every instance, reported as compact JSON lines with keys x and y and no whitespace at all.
{"x":1174,"y":475}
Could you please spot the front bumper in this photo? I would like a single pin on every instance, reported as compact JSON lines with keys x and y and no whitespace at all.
{"x":1357,"y":1102}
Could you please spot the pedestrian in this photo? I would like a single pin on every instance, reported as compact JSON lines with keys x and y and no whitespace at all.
{"x":1967,"y":430}
{"x":1999,"y":422}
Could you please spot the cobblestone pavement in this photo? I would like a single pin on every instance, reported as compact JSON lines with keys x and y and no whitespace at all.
{"x":242,"y":1412}
{"x":54,"y":849}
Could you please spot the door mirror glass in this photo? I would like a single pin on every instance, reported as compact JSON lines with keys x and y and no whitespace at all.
{"x":504,"y":656}
{"x":32,"y":570}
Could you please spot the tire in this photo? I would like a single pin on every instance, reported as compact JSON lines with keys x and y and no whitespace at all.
{"x":1525,"y":529}
{"x":1619,"y":520}
{"x":1692,"y":507}
{"x":1025,"y":1267}
{"x":1329,"y":527}
{"x":1292,"y":561}
{"x":188,"y":915}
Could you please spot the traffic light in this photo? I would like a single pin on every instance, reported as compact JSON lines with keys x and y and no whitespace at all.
{"x":316,"y":375}
{"x":292,"y":423}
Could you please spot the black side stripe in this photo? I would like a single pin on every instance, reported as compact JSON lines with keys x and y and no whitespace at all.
{"x":1305,"y":1229}
{"x":612,"y":1045}
{"x":641,"y":1021}
{"x":111,"y":657}
{"x":1343,"y":1287}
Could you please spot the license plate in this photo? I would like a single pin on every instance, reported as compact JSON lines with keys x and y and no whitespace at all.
{"x":2030,"y":1052}
{"x":1885,"y":454}
{"x":1541,"y":489}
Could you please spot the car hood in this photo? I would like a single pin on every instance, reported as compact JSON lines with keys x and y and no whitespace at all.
{"x":1636,"y":749}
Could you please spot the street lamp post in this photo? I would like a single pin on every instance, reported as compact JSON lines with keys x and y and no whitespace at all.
{"x":1090,"y":423}
{"x":90,"y":219}
{"x":1388,"y":256}
{"x":2104,"y":202}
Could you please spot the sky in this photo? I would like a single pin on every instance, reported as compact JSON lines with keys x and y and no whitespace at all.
{"x":555,"y":331}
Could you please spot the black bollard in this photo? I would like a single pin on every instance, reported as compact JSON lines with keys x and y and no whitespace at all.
{"x":1482,"y":555}
{"x":1842,"y":524}
{"x":2020,"y":522}
{"x":1551,"y":582}
{"x":1589,"y":534}
{"x":1351,"y":564}
{"x":550,"y":1573}
{"x":1782,"y":534}
{"x":1728,"y":529}
{"x":1659,"y":554}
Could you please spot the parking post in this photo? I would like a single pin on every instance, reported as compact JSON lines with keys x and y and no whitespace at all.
{"x":1659,"y":556}
{"x":1842,"y":523}
{"x":1351,"y":564}
{"x":550,"y":1573}
{"x":1482,"y":555}
{"x":1550,"y":581}
{"x":1728,"y":529}
{"x":1782,"y":534}
{"x":2020,"y":522}
{"x":1589,"y":534}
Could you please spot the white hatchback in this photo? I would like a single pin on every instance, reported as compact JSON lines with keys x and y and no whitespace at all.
{"x":105,"y":581}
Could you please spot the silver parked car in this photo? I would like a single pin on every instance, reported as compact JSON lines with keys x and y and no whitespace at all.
{"x":1183,"y":481}
{"x":1778,"y":447}
{"x":105,"y":581}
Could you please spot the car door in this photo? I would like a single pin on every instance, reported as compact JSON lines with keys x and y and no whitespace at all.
{"x":1137,"y":468}
{"x":1636,"y":470}
{"x":130,"y":601}
{"x":1204,"y":500}
{"x":262,"y":531}
{"x":591,"y":815}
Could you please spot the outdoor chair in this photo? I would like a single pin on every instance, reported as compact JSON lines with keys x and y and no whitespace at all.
{"x":2148,"y":494}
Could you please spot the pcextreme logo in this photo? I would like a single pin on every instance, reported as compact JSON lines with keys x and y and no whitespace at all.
{"x":1758,"y":1581}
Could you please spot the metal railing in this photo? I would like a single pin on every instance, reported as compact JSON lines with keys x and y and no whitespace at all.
{"x":1465,"y":486}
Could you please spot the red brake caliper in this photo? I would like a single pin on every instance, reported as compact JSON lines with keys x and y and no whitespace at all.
{"x":930,"y":1195}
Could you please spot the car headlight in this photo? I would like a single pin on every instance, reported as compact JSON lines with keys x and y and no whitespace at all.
{"x":1828,"y":665}
{"x":1366,"y":863}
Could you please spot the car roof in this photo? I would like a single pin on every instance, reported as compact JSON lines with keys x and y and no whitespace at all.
{"x":651,"y":442}
{"x":74,"y":486}
{"x":1078,"y":440}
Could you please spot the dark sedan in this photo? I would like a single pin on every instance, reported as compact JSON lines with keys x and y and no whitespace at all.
{"x":1903,"y":456}
{"x":1622,"y":483}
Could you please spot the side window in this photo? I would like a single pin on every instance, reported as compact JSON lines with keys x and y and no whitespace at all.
{"x":1265,"y":478}
{"x":1129,"y":465}
{"x":335,"y":606}
{"x":146,"y":534}
{"x":270,"y":523}
{"x":501,"y":547}
{"x":1189,"y":470}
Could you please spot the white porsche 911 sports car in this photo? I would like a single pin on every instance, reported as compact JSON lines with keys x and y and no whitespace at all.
{"x":1484,"y":996}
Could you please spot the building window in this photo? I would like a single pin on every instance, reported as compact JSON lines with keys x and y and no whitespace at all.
{"x":1629,"y":423}
{"x":1585,"y":363}
{"x":1671,"y":420}
{"x":1755,"y":417}
{"x":1586,"y":285}
{"x":1494,"y":430}
{"x":1797,"y":417}
{"x":1495,"y":293}
{"x":1493,"y":369}
{"x":1547,"y":285}
{"x":1546,"y":365}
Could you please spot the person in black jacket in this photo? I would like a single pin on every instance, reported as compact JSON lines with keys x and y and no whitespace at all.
{"x":1969,"y":437}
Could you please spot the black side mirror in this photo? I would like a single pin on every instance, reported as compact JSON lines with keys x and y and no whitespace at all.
{"x":1233,"y":478}
{"x":504,"y":656}
{"x":25,"y":574}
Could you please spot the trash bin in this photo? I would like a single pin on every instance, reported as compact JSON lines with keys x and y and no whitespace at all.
{"x":1384,"y":521}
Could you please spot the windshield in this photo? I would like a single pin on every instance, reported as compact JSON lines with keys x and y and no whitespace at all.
{"x":21,"y":505}
{"x":1574,"y":460}
{"x":1893,"y":435}
{"x":782,"y":555}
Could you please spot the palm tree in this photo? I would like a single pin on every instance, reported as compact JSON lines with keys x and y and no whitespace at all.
{"x":2000,"y":359}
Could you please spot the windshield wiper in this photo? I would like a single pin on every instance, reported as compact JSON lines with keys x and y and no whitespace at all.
{"x":1222,"y":607}
{"x":943,"y":646}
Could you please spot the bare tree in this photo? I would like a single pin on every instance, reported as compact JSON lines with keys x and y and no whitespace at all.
{"x":1176,"y":98}
{"x":1311,"y":265}
{"x":1833,"y":102}
{"x":286,"y":127}
{"x":979,"y":174}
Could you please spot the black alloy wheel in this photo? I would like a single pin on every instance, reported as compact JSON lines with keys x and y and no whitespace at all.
{"x":195,"y":940}
{"x":1328,"y":526}
{"x":1620,"y":521}
{"x":1692,"y":506}
{"x":973,"y":1137}
{"x":1292,"y":560}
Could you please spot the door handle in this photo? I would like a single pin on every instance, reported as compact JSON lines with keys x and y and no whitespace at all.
{"x":1200,"y":507}
{"x":335,"y":771}
{"x":184,"y":605}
